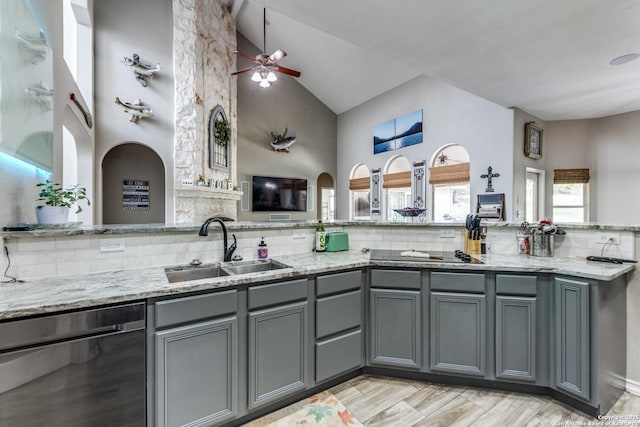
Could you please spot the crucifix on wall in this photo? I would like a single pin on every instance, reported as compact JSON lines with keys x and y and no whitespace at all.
{"x":489,"y":175}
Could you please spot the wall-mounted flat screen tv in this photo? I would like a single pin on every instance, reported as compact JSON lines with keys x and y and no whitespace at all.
{"x":279,"y":194}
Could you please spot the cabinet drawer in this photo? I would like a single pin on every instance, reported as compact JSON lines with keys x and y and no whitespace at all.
{"x":457,"y":282}
{"x":340,"y":282}
{"x":338,"y":313}
{"x":338,"y":355}
{"x":511,"y":284}
{"x":395,"y":279}
{"x":277,"y":293}
{"x":189,"y":309}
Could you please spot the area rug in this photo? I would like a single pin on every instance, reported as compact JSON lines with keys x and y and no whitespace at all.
{"x":321,"y":410}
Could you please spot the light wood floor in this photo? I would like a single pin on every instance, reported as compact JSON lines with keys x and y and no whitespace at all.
{"x":391,"y":402}
{"x":382,"y":401}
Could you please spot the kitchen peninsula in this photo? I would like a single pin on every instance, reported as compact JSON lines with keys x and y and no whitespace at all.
{"x":530,"y":324}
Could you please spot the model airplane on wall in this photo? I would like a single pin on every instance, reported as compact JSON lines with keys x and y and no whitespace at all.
{"x":136,"y":109}
{"x":36,"y":46}
{"x":142,"y":70}
{"x":42,"y":93}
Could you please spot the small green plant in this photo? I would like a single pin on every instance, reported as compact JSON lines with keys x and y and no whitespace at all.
{"x":52,"y":194}
{"x":222,"y":134}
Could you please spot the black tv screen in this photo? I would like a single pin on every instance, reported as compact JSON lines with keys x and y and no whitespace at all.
{"x":279,"y":194}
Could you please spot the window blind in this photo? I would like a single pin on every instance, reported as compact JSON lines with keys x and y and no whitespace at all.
{"x":360,"y":183}
{"x":452,"y":174}
{"x":571,"y":176}
{"x":397,"y":180}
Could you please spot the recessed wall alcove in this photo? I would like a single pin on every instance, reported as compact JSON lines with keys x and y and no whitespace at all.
{"x":124,"y":166}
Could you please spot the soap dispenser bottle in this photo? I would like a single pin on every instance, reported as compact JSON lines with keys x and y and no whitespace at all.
{"x":263,"y":251}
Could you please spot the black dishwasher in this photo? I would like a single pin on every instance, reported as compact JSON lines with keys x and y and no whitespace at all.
{"x":84,"y":368}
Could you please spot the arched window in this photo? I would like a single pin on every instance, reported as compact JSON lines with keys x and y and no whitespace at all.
{"x":449,"y":179}
{"x":359,"y":192}
{"x":396,"y":182}
{"x":219,"y":140}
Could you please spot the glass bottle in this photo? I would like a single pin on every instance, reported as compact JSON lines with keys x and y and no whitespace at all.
{"x":321,"y":237}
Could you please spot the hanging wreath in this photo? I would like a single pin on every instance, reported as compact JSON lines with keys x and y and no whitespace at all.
{"x":222,"y":134}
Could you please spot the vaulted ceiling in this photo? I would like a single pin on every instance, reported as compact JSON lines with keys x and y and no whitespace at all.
{"x":547,"y":57}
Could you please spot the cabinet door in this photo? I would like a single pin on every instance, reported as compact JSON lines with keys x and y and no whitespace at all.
{"x":572,"y":337}
{"x":277,"y":352}
{"x":458,"y":333}
{"x":516,"y":338}
{"x":197,"y":373}
{"x":395,"y":328}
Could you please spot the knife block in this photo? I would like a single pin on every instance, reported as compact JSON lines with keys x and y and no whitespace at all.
{"x":471,"y":247}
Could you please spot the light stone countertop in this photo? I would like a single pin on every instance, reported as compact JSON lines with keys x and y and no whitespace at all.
{"x":61,"y":231}
{"x":42,"y":296}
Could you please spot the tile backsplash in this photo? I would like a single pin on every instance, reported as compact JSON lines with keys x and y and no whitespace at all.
{"x":33,"y":257}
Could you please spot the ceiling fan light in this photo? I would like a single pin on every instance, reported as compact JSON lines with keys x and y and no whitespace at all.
{"x":265,"y":83}
{"x":271,"y":77}
{"x":256,"y":77}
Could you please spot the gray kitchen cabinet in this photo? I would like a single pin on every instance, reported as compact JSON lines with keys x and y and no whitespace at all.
{"x":338,"y":327}
{"x":395,"y":333}
{"x":572,"y":367}
{"x":278,"y":355}
{"x":193,"y":355}
{"x":516,"y":334}
{"x":458,"y":333}
{"x":196,"y":373}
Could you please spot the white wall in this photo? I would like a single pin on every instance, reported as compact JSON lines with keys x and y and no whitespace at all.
{"x":450,"y":116}
{"x":522,"y":162}
{"x":609,"y":148}
{"x":122,"y":28}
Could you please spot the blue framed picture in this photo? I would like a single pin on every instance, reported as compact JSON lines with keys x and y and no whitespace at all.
{"x":401,"y":132}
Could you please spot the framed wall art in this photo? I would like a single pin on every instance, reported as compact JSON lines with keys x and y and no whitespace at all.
{"x":532,"y":141}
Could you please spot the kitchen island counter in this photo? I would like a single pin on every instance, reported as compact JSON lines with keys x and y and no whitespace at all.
{"x":48,"y":295}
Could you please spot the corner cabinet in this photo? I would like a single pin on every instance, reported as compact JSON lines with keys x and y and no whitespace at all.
{"x":395,"y":306}
{"x":196,"y":364}
{"x":278,"y":341}
{"x":572,"y":337}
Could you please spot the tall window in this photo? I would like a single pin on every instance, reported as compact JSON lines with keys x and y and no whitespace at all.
{"x":450,"y":184}
{"x":359,"y":186}
{"x":396,"y":182}
{"x":570,"y":195}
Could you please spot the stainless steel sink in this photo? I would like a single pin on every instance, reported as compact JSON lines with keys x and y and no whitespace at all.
{"x":184,"y":274}
{"x":253,"y":266}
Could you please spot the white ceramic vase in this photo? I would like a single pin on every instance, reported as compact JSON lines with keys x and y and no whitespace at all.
{"x":52,"y":214}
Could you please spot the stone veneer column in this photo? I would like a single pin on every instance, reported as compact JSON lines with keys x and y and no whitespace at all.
{"x":204,"y":39}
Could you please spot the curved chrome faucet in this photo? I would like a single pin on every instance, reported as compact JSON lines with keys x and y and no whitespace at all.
{"x":204,"y":231}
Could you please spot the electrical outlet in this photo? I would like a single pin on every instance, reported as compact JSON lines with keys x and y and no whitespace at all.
{"x":112,"y":245}
{"x":447,"y":233}
{"x":611,"y":238}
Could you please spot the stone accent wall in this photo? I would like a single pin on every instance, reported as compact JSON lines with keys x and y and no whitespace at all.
{"x":204,"y":39}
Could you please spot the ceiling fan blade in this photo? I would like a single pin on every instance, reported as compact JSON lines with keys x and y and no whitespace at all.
{"x":250,"y":58}
{"x":285,"y":70}
{"x":244,"y":70}
{"x":277,"y":55}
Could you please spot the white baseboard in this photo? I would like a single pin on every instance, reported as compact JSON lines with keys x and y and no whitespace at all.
{"x":633,"y":387}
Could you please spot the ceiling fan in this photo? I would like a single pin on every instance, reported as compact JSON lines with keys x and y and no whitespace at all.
{"x":263,"y":71}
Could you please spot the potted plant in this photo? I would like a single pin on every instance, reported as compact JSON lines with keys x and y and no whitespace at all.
{"x":58,"y":201}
